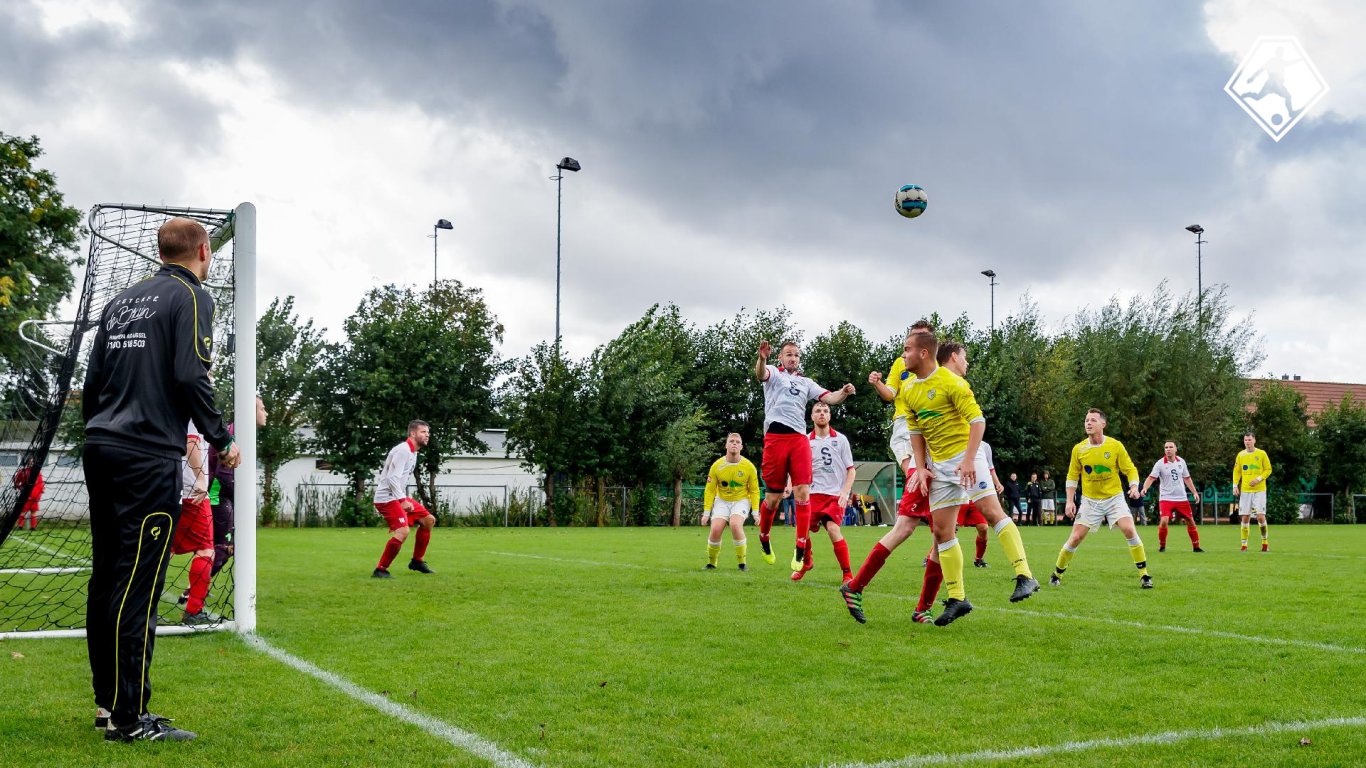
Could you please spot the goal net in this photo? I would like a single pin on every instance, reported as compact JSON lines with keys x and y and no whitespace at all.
{"x":44,"y":509}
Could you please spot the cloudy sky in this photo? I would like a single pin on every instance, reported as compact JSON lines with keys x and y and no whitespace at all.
{"x":734,"y":154}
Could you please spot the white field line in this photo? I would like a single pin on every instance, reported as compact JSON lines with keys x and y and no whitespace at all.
{"x":1013,"y":611}
{"x":461,"y":739}
{"x":44,"y":571}
{"x":1160,"y":739}
{"x":50,"y":551}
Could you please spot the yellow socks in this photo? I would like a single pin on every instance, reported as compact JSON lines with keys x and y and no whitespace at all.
{"x":1009,"y":536}
{"x":713,"y":552}
{"x":1245,"y":527}
{"x":951,"y":562}
{"x":1064,"y":559}
{"x":741,"y":550}
{"x":1263,"y":527}
{"x":1140,"y":559}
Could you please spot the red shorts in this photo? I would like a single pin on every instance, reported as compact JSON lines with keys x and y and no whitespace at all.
{"x":194,"y":532}
{"x":786,"y":456}
{"x":394,"y":514}
{"x":825,"y":507}
{"x":969,"y":514}
{"x":29,"y":507}
{"x":1180,"y":508}
{"x":913,"y":504}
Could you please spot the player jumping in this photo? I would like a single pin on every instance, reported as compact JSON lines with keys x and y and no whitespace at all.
{"x":397,"y":509}
{"x":787,"y":451}
{"x":832,"y":480}
{"x":1171,"y":471}
{"x":732,"y":492}
{"x":1101,"y":459}
{"x":1250,"y":470}
{"x":946,"y":439}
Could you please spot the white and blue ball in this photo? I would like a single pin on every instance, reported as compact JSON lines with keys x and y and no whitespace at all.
{"x":911,"y":201}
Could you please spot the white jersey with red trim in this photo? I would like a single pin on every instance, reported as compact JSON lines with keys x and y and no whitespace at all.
{"x":831,"y":460}
{"x":785,"y":397}
{"x":187,"y":475}
{"x":1172,"y":475}
{"x":398,"y":467}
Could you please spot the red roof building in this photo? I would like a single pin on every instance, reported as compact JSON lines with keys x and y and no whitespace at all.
{"x":1319,"y":393}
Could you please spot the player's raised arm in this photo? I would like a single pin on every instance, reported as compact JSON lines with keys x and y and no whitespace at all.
{"x":883,"y":391}
{"x":761,"y":365}
{"x":838,"y":396}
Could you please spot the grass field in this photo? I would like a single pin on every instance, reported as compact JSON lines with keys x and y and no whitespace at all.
{"x":581,"y":647}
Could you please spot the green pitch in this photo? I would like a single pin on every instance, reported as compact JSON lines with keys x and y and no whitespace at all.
{"x":576,"y":648}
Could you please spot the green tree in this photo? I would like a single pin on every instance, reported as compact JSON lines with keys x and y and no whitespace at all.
{"x":288,"y":353}
{"x":684,"y":452}
{"x":39,"y":234}
{"x":545,"y":401}
{"x":841,"y":355}
{"x":1280,"y":420}
{"x":1341,"y":437}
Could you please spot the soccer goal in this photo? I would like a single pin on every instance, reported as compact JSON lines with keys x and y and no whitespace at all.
{"x":44,"y":510}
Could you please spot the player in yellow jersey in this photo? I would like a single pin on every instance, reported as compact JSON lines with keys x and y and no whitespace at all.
{"x":1250,"y":470}
{"x":901,"y":434}
{"x":946,"y":427}
{"x":1096,"y":464}
{"x":732,"y":493}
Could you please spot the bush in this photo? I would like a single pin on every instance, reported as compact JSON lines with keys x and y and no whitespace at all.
{"x":357,"y":513}
{"x":1282,"y":506}
{"x":645,"y":506}
{"x":270,"y":511}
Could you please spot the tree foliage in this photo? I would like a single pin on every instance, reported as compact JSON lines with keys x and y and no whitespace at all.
{"x":1341,"y":436}
{"x":288,"y":353}
{"x":1280,"y":420}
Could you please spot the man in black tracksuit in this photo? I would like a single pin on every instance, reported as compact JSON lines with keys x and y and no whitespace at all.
{"x":147,"y":377}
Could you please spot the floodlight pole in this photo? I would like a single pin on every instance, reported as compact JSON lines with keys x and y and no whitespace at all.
{"x":991,"y":273}
{"x":1198,"y":231}
{"x":567,"y":164}
{"x":436,"y":230}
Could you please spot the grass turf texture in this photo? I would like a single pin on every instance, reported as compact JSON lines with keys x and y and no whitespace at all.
{"x":594,"y":663}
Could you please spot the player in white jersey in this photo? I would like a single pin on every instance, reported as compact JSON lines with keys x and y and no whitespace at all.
{"x":397,"y":508}
{"x":1174,"y":479}
{"x":787,"y":452}
{"x":832,"y":480}
{"x":194,"y":529}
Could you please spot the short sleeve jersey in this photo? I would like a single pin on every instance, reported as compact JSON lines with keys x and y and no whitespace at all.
{"x":785,"y":397}
{"x":896,"y":379}
{"x":187,"y":475}
{"x":831,"y":460}
{"x":731,"y":482}
{"x":1172,"y":477}
{"x":1098,"y":467}
{"x":940,"y":407}
{"x":1249,"y":467}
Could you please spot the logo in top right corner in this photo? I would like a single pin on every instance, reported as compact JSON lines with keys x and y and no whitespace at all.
{"x":1276,"y":84}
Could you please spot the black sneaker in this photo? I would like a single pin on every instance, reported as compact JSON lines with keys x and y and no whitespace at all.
{"x":854,"y":602}
{"x":1146,"y":582}
{"x":381,"y":573}
{"x":420,"y":566}
{"x":979,"y":563}
{"x":184,"y":598}
{"x":101,"y":718}
{"x":1197,"y":549}
{"x":1024,"y":587}
{"x":1054,"y":581}
{"x":708,"y":567}
{"x":200,"y":619}
{"x":744,"y":568}
{"x":1162,"y":548}
{"x":953,"y":610}
{"x":763,"y":544}
{"x":147,"y":728}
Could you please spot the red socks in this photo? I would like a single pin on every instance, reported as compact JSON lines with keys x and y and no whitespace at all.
{"x":1194,"y":533}
{"x":200,"y":569}
{"x":1162,"y":536}
{"x":390,"y":552}
{"x":802,"y":519}
{"x":765,"y":520}
{"x":871,"y":566}
{"x":420,"y":546}
{"x":981,"y":546}
{"x":934,"y":576}
{"x":842,"y":554}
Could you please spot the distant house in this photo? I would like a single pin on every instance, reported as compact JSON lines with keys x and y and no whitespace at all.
{"x":1317,"y":394}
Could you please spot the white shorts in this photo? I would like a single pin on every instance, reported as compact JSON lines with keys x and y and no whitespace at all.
{"x":1047,"y":505}
{"x":727,"y":509}
{"x":901,"y":440}
{"x":1097,"y":512}
{"x":946,"y":488}
{"x":1252,"y":503}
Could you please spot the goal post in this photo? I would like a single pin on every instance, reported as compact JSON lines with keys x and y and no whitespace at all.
{"x":45,"y":546}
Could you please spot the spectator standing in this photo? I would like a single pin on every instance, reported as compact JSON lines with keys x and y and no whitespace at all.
{"x":1050,"y":497}
{"x":1012,"y":494}
{"x":1034,"y":495}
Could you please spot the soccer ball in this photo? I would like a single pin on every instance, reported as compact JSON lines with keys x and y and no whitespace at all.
{"x":911,"y":201}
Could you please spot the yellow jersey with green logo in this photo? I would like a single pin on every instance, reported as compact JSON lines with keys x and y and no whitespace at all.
{"x":1098,"y":467}
{"x":1250,"y":466}
{"x":940,"y":407}
{"x":896,"y":379}
{"x":732,"y":482}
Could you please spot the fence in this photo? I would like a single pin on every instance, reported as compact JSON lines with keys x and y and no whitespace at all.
{"x":327,"y":505}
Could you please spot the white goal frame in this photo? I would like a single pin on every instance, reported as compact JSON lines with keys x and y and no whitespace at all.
{"x":243,"y":238}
